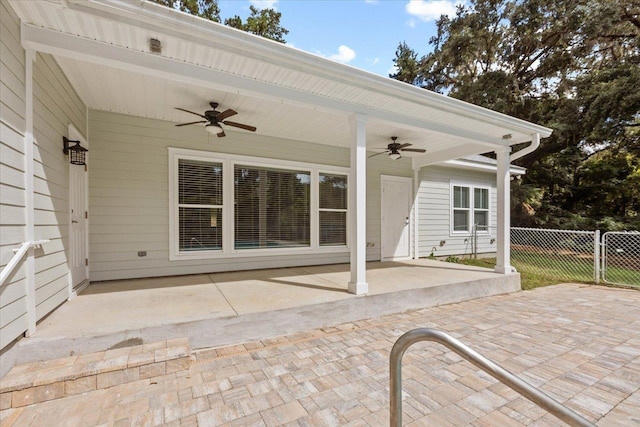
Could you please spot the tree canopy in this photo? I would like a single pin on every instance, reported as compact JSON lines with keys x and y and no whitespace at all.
{"x":571,"y":65}
{"x":261,"y":22}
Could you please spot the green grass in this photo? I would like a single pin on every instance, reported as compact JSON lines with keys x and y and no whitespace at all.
{"x":531,"y":275}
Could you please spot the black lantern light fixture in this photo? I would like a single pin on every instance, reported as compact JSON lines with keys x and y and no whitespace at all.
{"x":77,"y":152}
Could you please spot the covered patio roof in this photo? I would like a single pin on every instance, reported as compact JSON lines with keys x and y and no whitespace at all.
{"x":103,"y":48}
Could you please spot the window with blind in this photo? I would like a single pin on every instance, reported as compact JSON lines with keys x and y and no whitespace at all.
{"x":199,"y":205}
{"x":470,"y":206}
{"x":230,"y":205}
{"x":461,"y":208}
{"x":272,"y":208}
{"x":332,"y":215}
{"x":481,"y":208}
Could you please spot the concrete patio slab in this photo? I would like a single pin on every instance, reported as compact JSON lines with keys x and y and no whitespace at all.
{"x":228,"y":308}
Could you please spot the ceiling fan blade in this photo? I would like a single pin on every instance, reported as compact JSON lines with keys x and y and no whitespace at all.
{"x":240,"y":125}
{"x":226,"y":113}
{"x":415,"y":150}
{"x":377,"y":154}
{"x":187,"y":111}
{"x":401,"y":146}
{"x":192,"y":123}
{"x":220,"y":134}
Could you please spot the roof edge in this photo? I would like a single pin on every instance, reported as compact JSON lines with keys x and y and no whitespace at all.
{"x":281,"y":54}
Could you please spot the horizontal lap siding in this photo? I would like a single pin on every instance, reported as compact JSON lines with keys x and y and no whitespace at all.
{"x":434,"y":216}
{"x":56,"y":105}
{"x":13,"y":319}
{"x":129,"y":200}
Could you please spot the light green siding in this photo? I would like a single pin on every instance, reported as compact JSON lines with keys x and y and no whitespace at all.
{"x":434,"y":213}
{"x":56,"y":105}
{"x":129,"y":200}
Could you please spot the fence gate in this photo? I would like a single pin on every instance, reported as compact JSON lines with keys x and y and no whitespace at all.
{"x":621,"y":258}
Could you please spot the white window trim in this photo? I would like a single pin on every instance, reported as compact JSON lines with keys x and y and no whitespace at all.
{"x":472,"y":186}
{"x":228,"y":164}
{"x":316,"y":226}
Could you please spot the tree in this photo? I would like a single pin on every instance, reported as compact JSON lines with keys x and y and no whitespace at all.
{"x":572,"y":65}
{"x":261,"y":22}
{"x":207,"y":9}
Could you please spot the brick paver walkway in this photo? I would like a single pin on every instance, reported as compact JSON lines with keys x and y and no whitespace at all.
{"x":578,"y":343}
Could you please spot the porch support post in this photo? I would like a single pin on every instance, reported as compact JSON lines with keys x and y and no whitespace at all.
{"x":503,"y":250}
{"x":416,"y":206}
{"x":358,"y":205}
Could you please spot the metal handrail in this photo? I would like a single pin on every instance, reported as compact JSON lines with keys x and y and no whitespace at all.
{"x":525,"y":389}
{"x":17,"y":256}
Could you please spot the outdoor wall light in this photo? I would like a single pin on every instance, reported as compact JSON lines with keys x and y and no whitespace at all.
{"x":77,"y":152}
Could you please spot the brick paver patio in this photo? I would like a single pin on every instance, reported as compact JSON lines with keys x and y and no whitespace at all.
{"x":578,"y":343}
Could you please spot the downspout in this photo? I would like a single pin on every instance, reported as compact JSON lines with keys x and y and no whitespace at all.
{"x":535,"y":143}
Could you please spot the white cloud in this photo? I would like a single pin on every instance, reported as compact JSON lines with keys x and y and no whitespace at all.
{"x":375,"y":61}
{"x":371,"y":1}
{"x":430,"y":10}
{"x":411,"y":23}
{"x":264,"y":4}
{"x":345,"y":54}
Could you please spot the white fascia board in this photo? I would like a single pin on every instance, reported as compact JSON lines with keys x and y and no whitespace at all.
{"x":468,"y":164}
{"x":276,"y":53}
{"x":71,"y":46}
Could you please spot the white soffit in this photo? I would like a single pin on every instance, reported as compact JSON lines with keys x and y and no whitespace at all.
{"x":205,"y":44}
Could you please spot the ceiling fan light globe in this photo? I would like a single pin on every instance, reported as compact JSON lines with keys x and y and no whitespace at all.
{"x":212,"y":129}
{"x":394,"y":156}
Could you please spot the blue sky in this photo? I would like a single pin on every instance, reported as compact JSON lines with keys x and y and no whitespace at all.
{"x":361,"y":33}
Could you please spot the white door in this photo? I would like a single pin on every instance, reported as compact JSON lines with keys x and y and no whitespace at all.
{"x":396,"y":213}
{"x":78,"y":208}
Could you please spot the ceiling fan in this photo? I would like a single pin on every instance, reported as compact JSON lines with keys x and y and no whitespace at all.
{"x":395,"y":148}
{"x":215,"y":119}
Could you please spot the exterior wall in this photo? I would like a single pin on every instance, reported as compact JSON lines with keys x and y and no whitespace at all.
{"x":55,"y":106}
{"x":434,"y":214}
{"x":129,"y":195}
{"x":13,"y":317}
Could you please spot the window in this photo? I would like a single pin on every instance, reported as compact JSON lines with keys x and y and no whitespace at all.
{"x":200,"y":205}
{"x":227,"y":205}
{"x":470,"y":206}
{"x":461,"y":208}
{"x":333,"y":209}
{"x":481,"y":208}
{"x":272,"y":208}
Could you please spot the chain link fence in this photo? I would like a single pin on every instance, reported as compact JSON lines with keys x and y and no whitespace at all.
{"x":621,"y":258}
{"x":571,"y":255}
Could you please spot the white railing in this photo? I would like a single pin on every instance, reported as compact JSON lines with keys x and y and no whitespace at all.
{"x":17,"y":257}
{"x":505,"y":377}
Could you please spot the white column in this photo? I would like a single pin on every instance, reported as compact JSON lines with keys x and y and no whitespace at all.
{"x":416,"y":208}
{"x":30,"y":263}
{"x":358,"y":206}
{"x":503,"y":251}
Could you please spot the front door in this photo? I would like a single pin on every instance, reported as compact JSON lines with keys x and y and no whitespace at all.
{"x":78,"y":208}
{"x":396,"y":213}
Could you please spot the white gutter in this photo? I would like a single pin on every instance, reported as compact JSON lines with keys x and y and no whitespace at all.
{"x":210,"y":33}
{"x":535,"y":143}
